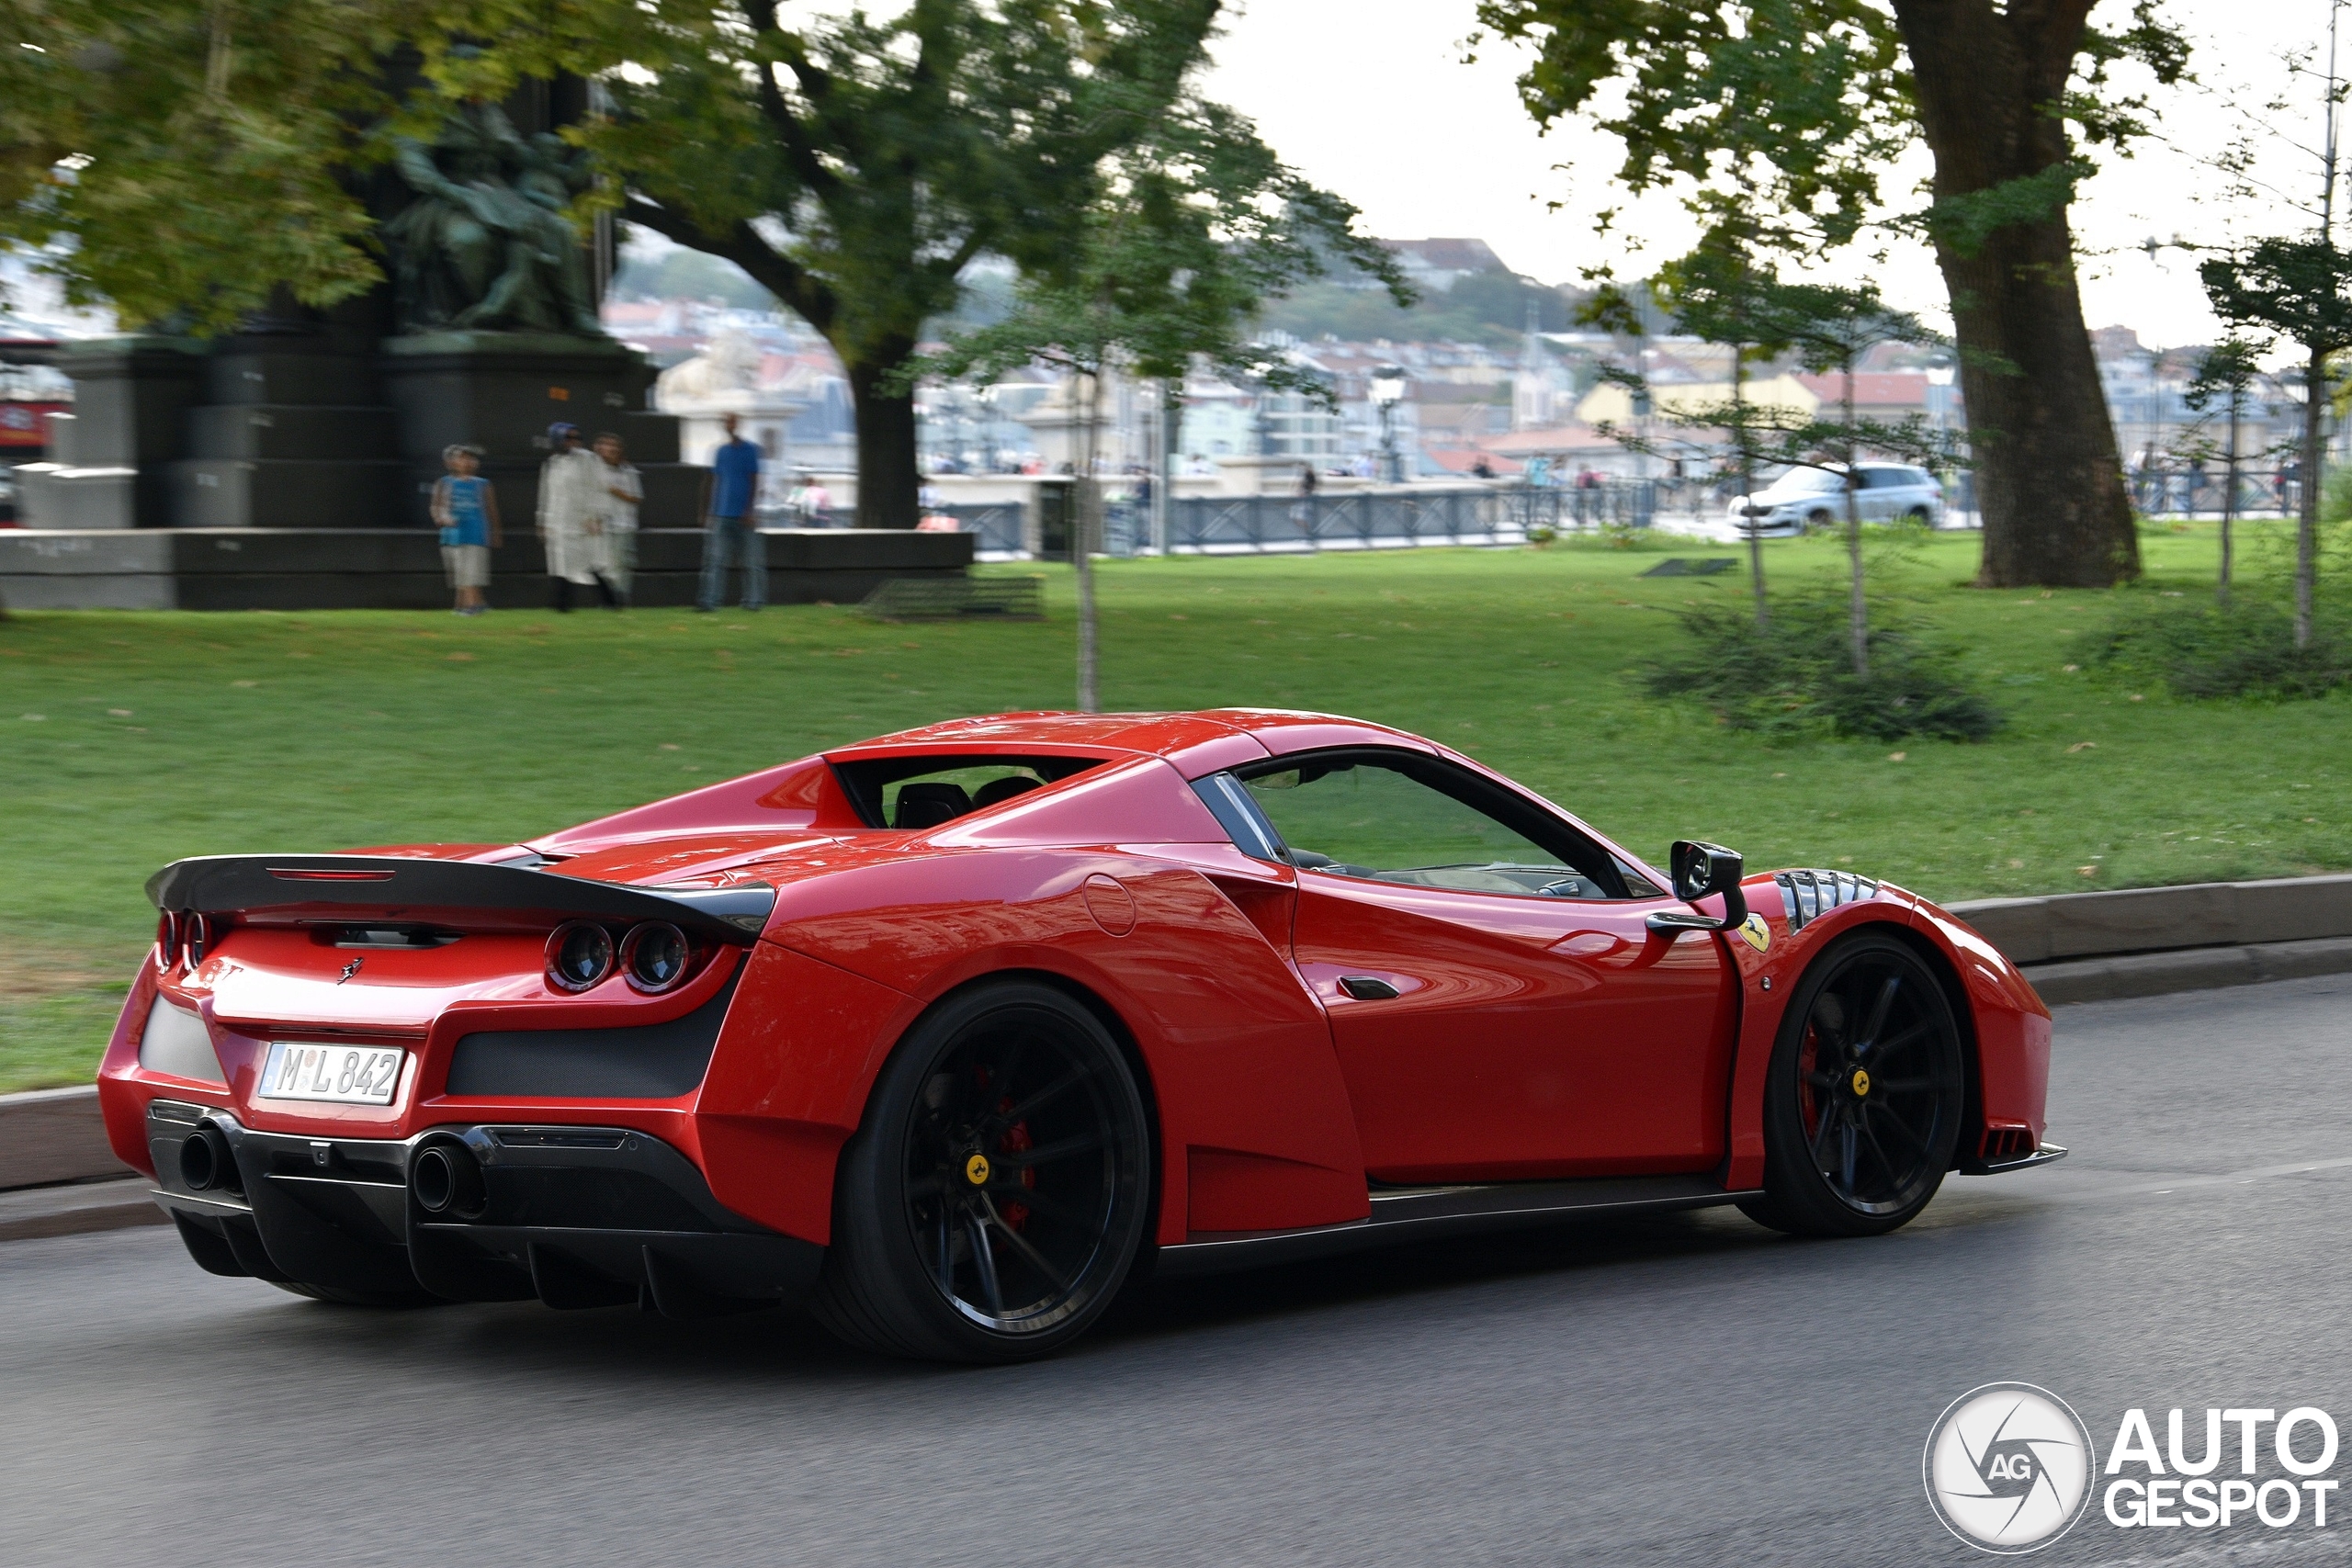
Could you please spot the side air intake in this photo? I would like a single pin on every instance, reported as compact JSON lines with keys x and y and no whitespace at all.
{"x":1811,"y":894}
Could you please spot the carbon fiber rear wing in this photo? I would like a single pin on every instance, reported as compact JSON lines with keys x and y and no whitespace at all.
{"x":394,"y":888}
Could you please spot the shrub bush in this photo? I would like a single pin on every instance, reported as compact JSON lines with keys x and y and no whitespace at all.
{"x":2245,"y":650}
{"x":1797,"y":676}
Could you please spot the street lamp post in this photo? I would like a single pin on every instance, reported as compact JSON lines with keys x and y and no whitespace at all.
{"x":1387,"y":392}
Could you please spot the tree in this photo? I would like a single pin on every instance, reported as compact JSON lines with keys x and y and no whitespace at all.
{"x":2224,"y":373}
{"x":1830,"y":329}
{"x":1195,"y":226}
{"x":855,"y":164}
{"x":1718,"y":294}
{"x":181,"y":160}
{"x":2300,"y":290}
{"x":1804,"y":103}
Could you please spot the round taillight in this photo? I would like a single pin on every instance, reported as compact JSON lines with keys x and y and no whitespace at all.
{"x":653,"y":956}
{"x":167,"y":941}
{"x":580,"y":955}
{"x":197,"y":935}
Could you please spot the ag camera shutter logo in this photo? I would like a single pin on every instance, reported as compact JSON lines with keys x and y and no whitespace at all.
{"x":2009,"y":1468}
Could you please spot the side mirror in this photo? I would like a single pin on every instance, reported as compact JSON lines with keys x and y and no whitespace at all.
{"x":1702,"y":871}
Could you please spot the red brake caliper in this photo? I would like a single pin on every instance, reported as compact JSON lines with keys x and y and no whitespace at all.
{"x":1016,"y":1140}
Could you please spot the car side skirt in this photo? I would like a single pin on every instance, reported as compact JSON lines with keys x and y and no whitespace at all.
{"x":1428,"y":1214}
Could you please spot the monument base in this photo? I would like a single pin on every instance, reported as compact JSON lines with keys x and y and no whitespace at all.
{"x":400,"y":569}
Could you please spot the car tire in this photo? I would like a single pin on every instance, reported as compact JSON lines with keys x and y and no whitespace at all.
{"x":1920,"y":516}
{"x":1818,"y":519}
{"x":956,"y":1236}
{"x":1864,"y":1098}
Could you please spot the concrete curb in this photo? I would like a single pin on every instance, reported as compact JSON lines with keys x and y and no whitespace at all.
{"x":2148,"y":941}
{"x":2192,"y":969}
{"x":54,"y":1134}
{"x":80,"y":1207}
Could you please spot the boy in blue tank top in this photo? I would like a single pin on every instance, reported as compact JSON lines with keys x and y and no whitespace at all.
{"x":466,"y":507}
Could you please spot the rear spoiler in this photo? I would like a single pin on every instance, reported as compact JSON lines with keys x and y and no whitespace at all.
{"x":390,"y":887}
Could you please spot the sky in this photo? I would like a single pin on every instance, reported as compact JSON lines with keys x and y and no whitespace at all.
{"x":1372,"y":99}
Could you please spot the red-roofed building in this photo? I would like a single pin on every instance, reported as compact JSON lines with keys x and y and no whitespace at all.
{"x":1877,"y":394}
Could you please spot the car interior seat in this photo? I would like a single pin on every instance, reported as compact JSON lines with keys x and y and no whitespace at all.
{"x":996,"y":792}
{"x":928,"y":805}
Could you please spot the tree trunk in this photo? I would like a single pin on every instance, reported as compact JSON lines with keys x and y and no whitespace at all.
{"x":889,"y":480}
{"x":2229,"y":500}
{"x":2048,"y":482}
{"x":1086,"y":495}
{"x":1748,"y":485}
{"x":1857,"y":614}
{"x":2307,"y":513}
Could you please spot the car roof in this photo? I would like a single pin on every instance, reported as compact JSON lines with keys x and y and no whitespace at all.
{"x":1197,"y":743}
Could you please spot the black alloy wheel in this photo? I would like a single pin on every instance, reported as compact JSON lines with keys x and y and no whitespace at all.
{"x":996,"y":1197}
{"x":1864,"y":1095}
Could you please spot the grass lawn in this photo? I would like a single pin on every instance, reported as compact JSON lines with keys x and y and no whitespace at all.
{"x":130,"y":740}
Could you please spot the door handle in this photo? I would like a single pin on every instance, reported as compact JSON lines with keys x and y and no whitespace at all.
{"x":1367,"y":987}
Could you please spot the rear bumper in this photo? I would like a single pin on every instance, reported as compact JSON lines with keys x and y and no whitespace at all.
{"x":572,"y":1216}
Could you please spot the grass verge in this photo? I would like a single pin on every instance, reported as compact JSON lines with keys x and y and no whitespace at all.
{"x":128,"y":739}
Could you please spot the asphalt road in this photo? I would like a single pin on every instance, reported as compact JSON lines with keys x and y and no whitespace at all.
{"x":1686,"y":1390}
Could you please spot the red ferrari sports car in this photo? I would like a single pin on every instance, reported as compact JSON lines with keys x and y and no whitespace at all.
{"x":952,"y":1033}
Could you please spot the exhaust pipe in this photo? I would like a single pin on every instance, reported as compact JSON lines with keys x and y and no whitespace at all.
{"x":206,"y":1162}
{"x":447,"y":1178}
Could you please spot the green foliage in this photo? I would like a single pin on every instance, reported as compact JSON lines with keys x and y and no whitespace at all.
{"x":2299,"y":289}
{"x":1786,"y":111}
{"x":187,"y":157}
{"x":1797,"y":677}
{"x":2246,"y":649}
{"x":1195,"y":225}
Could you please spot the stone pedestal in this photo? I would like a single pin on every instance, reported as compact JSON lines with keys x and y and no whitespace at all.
{"x":292,"y":432}
{"x":400,"y":569}
{"x":110,"y":468}
{"x":500,"y":390}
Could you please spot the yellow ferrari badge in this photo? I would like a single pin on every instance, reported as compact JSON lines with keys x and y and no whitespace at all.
{"x":1861,"y":1082}
{"x":1759,"y":934}
{"x":976,"y":1170}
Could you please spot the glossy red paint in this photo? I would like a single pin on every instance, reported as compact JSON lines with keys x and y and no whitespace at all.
{"x":1531,"y":1037}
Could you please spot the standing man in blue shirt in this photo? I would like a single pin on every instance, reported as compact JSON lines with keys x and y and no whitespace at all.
{"x":733,"y":529}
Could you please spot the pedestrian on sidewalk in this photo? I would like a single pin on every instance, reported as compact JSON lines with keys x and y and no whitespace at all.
{"x":624,"y":489}
{"x":571,"y":519}
{"x":810,"y":504}
{"x":731,"y":529}
{"x":466,"y":509}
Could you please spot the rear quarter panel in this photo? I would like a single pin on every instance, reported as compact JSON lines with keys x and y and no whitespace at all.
{"x":1257,"y":1132}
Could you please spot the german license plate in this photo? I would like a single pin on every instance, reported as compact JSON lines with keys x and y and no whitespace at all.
{"x":346,"y":1075}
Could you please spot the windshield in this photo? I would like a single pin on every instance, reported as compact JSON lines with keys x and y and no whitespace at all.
{"x":1807,"y":482}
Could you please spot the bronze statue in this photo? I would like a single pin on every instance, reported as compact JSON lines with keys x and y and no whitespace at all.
{"x":485,"y":246}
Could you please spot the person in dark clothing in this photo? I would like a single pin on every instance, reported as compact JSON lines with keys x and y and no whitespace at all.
{"x":732,"y":529}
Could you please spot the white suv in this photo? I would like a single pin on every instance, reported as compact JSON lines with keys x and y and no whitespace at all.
{"x":1813,"y":498}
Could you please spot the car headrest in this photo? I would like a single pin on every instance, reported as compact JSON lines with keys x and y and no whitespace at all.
{"x":996,"y":792}
{"x":928,"y":805}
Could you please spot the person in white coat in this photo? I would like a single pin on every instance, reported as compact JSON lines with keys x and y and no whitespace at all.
{"x":571,"y":519}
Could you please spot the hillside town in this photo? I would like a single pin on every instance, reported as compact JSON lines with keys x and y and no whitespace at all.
{"x":1542,"y":403}
{"x":1542,"y":408}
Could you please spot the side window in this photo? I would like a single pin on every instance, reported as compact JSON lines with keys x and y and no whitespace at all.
{"x":1421,"y":822}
